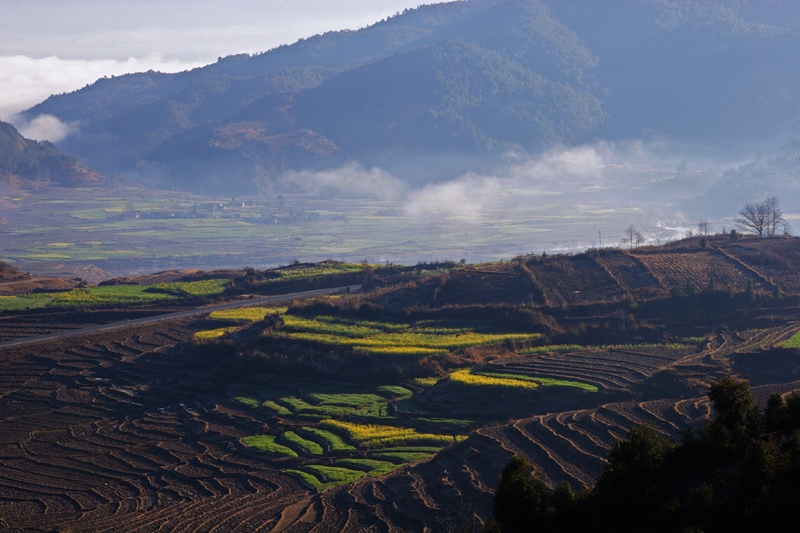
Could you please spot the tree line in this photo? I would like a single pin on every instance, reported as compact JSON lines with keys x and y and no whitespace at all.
{"x":738,"y":473}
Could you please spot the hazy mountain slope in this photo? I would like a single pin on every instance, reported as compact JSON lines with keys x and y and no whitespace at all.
{"x":693,"y":71}
{"x":23,"y":161}
{"x":452,"y":81}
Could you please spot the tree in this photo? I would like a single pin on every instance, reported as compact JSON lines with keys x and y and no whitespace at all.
{"x":702,"y":226}
{"x":736,"y":408}
{"x":761,"y":218}
{"x":522,"y":499}
{"x":633,"y":236}
{"x":774,"y":215}
{"x":752,"y":219}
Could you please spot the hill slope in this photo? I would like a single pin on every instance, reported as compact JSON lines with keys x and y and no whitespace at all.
{"x":451,"y":80}
{"x":23,"y":161}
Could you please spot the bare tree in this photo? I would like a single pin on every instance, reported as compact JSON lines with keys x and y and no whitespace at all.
{"x":774,"y":215}
{"x":633,"y":237}
{"x":762,"y":219}
{"x":702,"y":226}
{"x":753,"y":218}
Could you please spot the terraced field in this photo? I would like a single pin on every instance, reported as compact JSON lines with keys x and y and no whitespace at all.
{"x":125,"y":429}
{"x":117,"y":430}
{"x":147,"y":429}
{"x":611,"y":369}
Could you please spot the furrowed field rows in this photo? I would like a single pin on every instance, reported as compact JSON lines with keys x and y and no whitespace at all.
{"x":608,"y":369}
{"x":775,"y":259}
{"x":700,"y":269}
{"x":577,"y":279}
{"x":567,"y":446}
{"x":70,"y":455}
{"x":631,"y":274}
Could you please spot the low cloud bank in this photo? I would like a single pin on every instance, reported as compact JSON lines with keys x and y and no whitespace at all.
{"x":351,"y":180}
{"x":471,"y":194}
{"x":26,"y":81}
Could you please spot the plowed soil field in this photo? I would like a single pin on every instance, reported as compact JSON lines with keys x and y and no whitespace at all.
{"x":127,"y":432}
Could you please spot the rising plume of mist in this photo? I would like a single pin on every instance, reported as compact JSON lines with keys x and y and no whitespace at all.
{"x":45,"y":128}
{"x":351,"y":180}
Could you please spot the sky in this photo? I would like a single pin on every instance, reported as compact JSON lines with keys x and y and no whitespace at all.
{"x":55,"y":46}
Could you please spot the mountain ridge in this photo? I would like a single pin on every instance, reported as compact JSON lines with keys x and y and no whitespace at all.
{"x":454,"y":79}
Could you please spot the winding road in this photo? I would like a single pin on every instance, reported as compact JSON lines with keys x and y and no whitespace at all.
{"x":250,"y":302}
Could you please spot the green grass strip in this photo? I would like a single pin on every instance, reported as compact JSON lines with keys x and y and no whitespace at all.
{"x":277,"y":408}
{"x":374,"y":467}
{"x":208,"y":287}
{"x":793,"y":342}
{"x":308,"y":446}
{"x":309,"y":479}
{"x":349,"y":400}
{"x":335,"y":475}
{"x":395,"y":391}
{"x":334,"y":441}
{"x":248,"y":401}
{"x":266,"y":443}
{"x":297,"y":404}
{"x":404,"y":457}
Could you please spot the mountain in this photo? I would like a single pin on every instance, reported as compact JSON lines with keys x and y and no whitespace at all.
{"x":445,"y":88}
{"x":27,"y":162}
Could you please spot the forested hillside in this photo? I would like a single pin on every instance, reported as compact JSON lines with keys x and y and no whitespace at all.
{"x":460,"y":83}
{"x":27,"y":162}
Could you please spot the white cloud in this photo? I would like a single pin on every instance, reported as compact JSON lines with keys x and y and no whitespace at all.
{"x":471,"y":195}
{"x":25,"y":81}
{"x":45,"y":128}
{"x":349,"y":180}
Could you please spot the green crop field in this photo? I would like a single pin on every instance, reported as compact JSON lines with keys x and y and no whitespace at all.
{"x":793,"y":342}
{"x":266,"y":443}
{"x":334,"y":441}
{"x":347,"y":434}
{"x":335,"y":475}
{"x":374,"y":467}
{"x":308,"y":446}
{"x":82,"y":227}
{"x":114,"y":295}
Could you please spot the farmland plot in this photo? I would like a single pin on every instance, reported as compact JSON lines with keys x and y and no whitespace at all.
{"x":575,"y":279}
{"x":126,"y":443}
{"x":698,"y":269}
{"x":608,"y":369}
{"x":632,"y":275}
{"x":773,"y":258}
